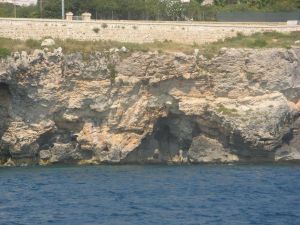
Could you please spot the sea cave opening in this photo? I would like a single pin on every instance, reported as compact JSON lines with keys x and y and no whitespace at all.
{"x":171,"y":135}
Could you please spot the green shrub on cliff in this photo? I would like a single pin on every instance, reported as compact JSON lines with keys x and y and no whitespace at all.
{"x":4,"y":52}
{"x":227,"y":111}
{"x":112,"y":71}
{"x":96,"y":30}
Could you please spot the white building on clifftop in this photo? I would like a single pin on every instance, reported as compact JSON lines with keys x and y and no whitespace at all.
{"x":208,"y":2}
{"x":20,"y":2}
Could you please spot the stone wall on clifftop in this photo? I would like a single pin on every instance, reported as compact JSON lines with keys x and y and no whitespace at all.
{"x":132,"y":31}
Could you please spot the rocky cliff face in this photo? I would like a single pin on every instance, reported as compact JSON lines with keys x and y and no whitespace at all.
{"x":242,"y":105}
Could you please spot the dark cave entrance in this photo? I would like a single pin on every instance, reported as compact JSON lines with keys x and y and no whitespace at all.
{"x":4,"y":94}
{"x":170,"y":135}
{"x":5,"y":99}
{"x":5,"y":102}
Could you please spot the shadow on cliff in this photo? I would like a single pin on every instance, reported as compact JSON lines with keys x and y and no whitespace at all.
{"x":5,"y":104}
{"x":172,"y":137}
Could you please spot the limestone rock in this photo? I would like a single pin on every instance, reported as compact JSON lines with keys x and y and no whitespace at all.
{"x":64,"y":153}
{"x":22,"y":140}
{"x":9,"y":163}
{"x":124,"y":49}
{"x":207,"y":150}
{"x":48,"y":42}
{"x":241,"y":105}
{"x":290,"y":150}
{"x":45,"y":154}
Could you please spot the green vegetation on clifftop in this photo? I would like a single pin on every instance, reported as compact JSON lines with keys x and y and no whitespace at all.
{"x":257,"y":40}
{"x":4,"y":52}
{"x":147,"y":9}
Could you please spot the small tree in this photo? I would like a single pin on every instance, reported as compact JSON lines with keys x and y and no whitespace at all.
{"x":174,"y":9}
{"x":298,"y":3}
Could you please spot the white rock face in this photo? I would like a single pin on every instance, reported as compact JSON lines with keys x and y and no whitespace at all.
{"x":242,"y":105}
{"x":48,"y":43}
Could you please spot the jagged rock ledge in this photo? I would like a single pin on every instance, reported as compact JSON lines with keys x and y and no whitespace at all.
{"x":241,"y":106}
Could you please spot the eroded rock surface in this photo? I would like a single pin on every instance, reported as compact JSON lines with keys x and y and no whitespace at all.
{"x":242,"y":105}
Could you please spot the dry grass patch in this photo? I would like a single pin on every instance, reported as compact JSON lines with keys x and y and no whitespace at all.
{"x":257,"y":40}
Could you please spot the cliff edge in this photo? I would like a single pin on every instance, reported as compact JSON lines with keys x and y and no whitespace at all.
{"x":240,"y":106}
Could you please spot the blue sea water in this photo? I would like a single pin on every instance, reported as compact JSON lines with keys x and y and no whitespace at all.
{"x":141,"y":195}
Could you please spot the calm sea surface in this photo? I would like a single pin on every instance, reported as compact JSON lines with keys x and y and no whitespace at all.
{"x":171,"y":195}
